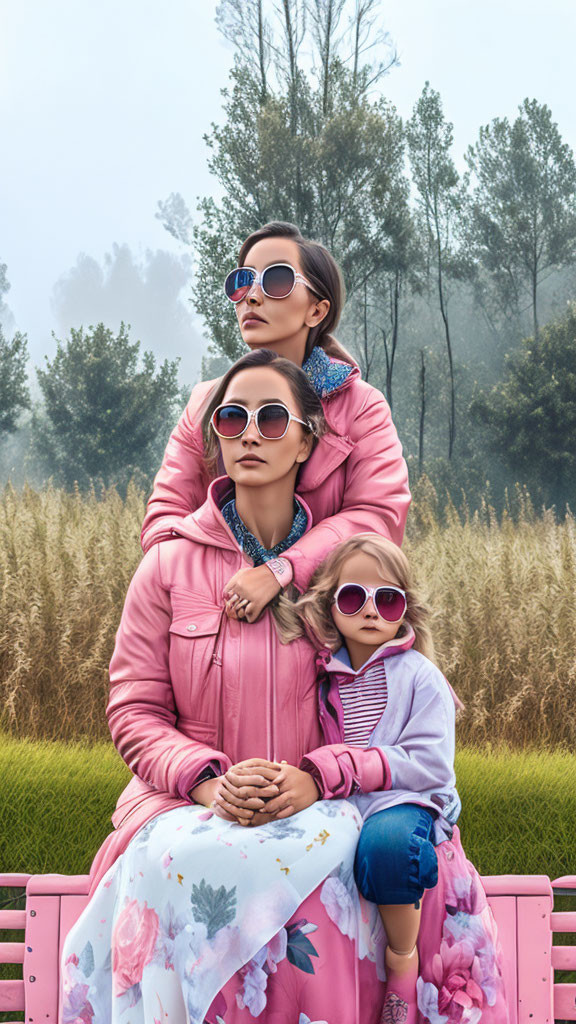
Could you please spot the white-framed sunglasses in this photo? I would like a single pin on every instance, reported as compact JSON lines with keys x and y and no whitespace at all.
{"x":389,"y":602}
{"x":277,"y":281}
{"x":272,"y":420}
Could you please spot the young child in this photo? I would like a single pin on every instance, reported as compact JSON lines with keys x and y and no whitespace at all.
{"x":381,"y":692}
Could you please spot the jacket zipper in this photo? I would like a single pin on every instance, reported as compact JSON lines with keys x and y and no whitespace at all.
{"x":216,"y":657}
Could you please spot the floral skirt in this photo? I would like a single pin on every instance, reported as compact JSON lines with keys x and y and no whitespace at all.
{"x":202,"y":920}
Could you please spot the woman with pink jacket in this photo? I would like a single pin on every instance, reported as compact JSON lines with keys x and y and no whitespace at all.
{"x":191,"y":916}
{"x":288,"y":295}
{"x":176,"y":735}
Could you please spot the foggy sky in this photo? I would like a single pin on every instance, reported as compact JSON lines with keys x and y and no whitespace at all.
{"x":102,"y":111}
{"x":150,"y":295}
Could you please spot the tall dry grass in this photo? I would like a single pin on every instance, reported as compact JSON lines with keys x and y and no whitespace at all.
{"x":503,"y":591}
{"x":65,"y":564}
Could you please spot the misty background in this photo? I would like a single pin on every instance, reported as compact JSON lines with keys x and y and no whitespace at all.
{"x":103,"y":113}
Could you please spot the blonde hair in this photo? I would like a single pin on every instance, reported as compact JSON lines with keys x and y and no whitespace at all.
{"x":311,"y":614}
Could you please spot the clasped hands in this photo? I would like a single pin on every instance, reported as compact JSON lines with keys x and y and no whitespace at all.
{"x":257,"y":791}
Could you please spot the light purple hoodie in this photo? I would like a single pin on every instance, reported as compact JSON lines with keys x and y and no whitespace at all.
{"x":414,"y":736}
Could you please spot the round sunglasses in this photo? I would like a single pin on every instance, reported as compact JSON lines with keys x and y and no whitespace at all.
{"x":277,"y":281}
{"x":272,"y":420}
{"x":389,"y":602}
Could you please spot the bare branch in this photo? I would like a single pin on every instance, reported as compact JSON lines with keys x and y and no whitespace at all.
{"x":245,"y":26}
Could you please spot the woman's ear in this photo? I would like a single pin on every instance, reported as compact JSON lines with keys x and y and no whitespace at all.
{"x":305,"y":447}
{"x":317,"y":313}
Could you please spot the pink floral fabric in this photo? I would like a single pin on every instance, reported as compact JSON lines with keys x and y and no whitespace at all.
{"x":133,"y":941}
{"x":461,"y":960}
{"x":202,"y":921}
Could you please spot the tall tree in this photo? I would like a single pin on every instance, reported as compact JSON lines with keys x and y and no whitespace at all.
{"x":523,"y":223}
{"x":377,"y":303}
{"x":313,"y":150}
{"x":4,"y":286}
{"x":367,"y":35}
{"x":14,"y":394}
{"x":326,"y":16}
{"x":105,"y":415}
{"x":531,"y":413}
{"x":422,"y":418}
{"x":440,"y":201}
{"x":176,"y":218}
{"x":246,"y":27}
{"x":402,"y":272}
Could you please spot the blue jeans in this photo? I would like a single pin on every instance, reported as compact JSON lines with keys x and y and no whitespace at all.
{"x":395,"y":857}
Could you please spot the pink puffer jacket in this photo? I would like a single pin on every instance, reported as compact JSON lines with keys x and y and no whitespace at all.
{"x":191,"y":688}
{"x":356,"y":480}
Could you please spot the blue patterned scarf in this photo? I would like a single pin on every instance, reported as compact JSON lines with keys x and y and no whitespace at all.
{"x":324,"y":374}
{"x":248,"y":542}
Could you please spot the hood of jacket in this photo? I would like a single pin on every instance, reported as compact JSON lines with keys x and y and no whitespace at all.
{"x":339,"y":661}
{"x":207,"y":524}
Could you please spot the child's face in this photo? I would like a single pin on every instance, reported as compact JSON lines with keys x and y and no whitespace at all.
{"x":366,"y":627}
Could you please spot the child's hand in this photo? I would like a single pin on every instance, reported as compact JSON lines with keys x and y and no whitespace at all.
{"x":249,"y":591}
{"x":297,"y":791}
{"x":246,"y":788}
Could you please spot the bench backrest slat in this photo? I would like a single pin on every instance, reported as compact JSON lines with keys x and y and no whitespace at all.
{"x":565,"y":1002}
{"x":563,"y":921}
{"x":12,"y":995}
{"x":11,"y":952}
{"x":564,"y":958}
{"x":11,"y":919}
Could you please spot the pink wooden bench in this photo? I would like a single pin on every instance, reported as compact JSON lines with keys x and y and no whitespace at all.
{"x":522,"y":904}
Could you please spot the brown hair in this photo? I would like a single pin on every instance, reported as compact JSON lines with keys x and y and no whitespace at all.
{"x":308,"y":402}
{"x":311,"y":614}
{"x":324,"y":275}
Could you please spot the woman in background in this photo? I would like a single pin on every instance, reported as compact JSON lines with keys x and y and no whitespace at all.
{"x":288,"y":295}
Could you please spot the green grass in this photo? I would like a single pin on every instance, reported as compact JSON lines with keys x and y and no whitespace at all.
{"x":519,"y":809}
{"x":56,"y":810}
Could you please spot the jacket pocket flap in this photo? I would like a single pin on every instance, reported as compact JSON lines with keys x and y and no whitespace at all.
{"x":191,"y":624}
{"x":193,"y":615}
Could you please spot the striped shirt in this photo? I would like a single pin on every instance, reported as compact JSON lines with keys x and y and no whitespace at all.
{"x":364,"y":697}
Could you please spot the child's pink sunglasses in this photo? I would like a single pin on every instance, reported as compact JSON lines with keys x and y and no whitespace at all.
{"x":389,"y":602}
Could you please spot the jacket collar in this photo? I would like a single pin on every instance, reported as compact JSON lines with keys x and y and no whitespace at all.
{"x":340,"y":660}
{"x":325,"y":373}
{"x":207,"y":524}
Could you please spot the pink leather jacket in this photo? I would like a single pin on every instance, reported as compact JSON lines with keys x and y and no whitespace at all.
{"x":356,"y":480}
